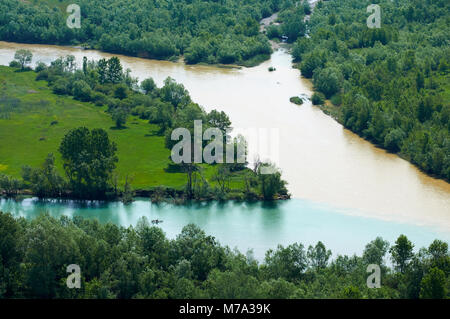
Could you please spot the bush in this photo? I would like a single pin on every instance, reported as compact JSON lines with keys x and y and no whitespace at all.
{"x":336,"y":99}
{"x":318,"y":98}
{"x":99,"y":98}
{"x":394,"y":139}
{"x":328,"y":81}
{"x":273,"y":31}
{"x":296,"y":100}
{"x":42,"y":75}
{"x":40,"y":67}
{"x":119,"y":116}
{"x":82,"y":91}
{"x":15,"y":64}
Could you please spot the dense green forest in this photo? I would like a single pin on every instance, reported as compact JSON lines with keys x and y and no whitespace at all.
{"x":89,"y":157}
{"x":390,"y":85}
{"x":210,"y":31}
{"x":140,"y":262}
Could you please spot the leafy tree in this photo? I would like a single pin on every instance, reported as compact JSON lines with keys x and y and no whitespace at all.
{"x":318,"y":256}
{"x":375,"y":251}
{"x":433,"y":285}
{"x":148,"y":85}
{"x":23,"y":57}
{"x":10,"y":256}
{"x":351,"y":292}
{"x":9,"y":185}
{"x":175,"y":93}
{"x":317,"y":98}
{"x":328,"y":81}
{"x":402,"y":252}
{"x":440,"y":257}
{"x":45,"y":181}
{"x":271,"y":182}
{"x":121,"y":91}
{"x":89,"y":159}
{"x":114,"y":70}
{"x":119,"y":116}
{"x":288,"y":263}
{"x":393,"y":140}
{"x":82,"y":91}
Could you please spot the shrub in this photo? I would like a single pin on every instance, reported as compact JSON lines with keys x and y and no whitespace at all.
{"x":296,"y":100}
{"x":14,"y":64}
{"x":318,"y":98}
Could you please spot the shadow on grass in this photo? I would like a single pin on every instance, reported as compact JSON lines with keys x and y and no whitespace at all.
{"x":173,"y":168}
{"x":115,"y":128}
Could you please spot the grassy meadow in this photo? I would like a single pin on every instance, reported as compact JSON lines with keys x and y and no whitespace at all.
{"x":37,"y":125}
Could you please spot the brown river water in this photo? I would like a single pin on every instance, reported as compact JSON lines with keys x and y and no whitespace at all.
{"x":321,"y":161}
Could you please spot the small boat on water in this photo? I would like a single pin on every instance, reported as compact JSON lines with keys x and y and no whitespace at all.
{"x":156,"y":221}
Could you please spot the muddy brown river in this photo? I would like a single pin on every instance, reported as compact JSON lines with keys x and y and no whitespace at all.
{"x":322,"y":162}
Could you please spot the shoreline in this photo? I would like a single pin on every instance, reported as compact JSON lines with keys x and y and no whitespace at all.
{"x":170,"y":194}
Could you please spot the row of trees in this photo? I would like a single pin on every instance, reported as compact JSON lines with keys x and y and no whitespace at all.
{"x":391,"y":83}
{"x":204,"y":31}
{"x":140,"y":262}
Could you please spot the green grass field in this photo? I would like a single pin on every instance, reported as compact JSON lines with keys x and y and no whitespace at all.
{"x":27,"y":136}
{"x":29,"y":133}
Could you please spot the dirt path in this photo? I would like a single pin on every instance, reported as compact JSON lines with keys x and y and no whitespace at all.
{"x":264,"y":23}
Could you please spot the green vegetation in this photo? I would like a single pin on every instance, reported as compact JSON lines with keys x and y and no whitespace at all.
{"x":34,"y":122}
{"x":296,"y":100}
{"x":291,"y":25}
{"x":207,"y":31}
{"x":140,"y":262}
{"x":89,"y":158}
{"x":317,"y":98}
{"x":390,"y":85}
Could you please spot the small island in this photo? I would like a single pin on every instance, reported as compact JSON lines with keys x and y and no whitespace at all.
{"x":296,"y":100}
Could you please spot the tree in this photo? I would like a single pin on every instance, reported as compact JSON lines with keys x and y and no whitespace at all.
{"x":119,"y":116}
{"x":328,"y":81}
{"x":45,"y":181}
{"x":375,"y":251}
{"x":175,"y":93}
{"x":351,"y":292}
{"x":393,"y":140}
{"x":89,"y":159}
{"x":114,"y":73}
{"x":222,"y":177}
{"x":219,"y":120}
{"x":10,"y":255}
{"x":270,"y":182}
{"x":318,"y":256}
{"x":433,"y":285}
{"x":102,"y":69}
{"x":440,"y":257}
{"x":402,"y":252}
{"x":82,"y":91}
{"x":288,"y":263}
{"x":24,"y":57}
{"x":9,"y":185}
{"x":121,"y":91}
{"x":148,"y":85}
